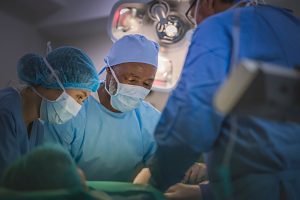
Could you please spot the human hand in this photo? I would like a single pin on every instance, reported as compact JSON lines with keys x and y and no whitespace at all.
{"x":143,"y":176}
{"x":82,"y":179}
{"x":195,"y":174}
{"x":182,"y":191}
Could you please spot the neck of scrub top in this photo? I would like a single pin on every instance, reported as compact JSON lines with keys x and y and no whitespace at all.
{"x":105,"y":109}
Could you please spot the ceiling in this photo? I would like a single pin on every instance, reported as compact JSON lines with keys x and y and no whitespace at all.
{"x":32,"y":11}
{"x":60,"y":18}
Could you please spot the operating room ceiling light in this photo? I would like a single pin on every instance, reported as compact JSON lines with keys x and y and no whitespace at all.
{"x":170,"y":30}
{"x":164,"y":72}
{"x":127,"y":20}
{"x":164,"y":21}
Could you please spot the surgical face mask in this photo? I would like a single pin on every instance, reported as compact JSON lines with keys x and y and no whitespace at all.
{"x":125,"y":97}
{"x":60,"y":110}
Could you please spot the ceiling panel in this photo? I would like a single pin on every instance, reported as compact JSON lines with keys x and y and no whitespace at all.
{"x":32,"y":11}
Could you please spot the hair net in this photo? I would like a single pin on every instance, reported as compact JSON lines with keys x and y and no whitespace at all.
{"x":73,"y":67}
{"x":133,"y":48}
{"x":45,"y":168}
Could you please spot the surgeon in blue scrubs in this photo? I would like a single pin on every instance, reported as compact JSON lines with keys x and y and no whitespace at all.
{"x":112,"y":139}
{"x":55,"y":87}
{"x":265,"y":162}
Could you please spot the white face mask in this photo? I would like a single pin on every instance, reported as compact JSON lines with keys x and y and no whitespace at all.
{"x":60,"y":110}
{"x":125,"y":97}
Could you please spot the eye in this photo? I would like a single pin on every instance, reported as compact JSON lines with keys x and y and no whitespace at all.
{"x":148,"y":84}
{"x":132,"y":81}
{"x":80,"y":98}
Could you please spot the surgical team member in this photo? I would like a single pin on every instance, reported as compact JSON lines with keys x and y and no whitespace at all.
{"x":56,"y":86}
{"x":265,"y":162}
{"x":50,"y":167}
{"x":112,"y":138}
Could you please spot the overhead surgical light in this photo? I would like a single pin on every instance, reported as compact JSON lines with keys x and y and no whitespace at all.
{"x":164,"y":73}
{"x":127,"y":20}
{"x":163,"y":21}
{"x":169,"y":28}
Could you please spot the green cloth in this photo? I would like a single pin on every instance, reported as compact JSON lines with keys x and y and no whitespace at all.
{"x":52,"y":195}
{"x":126,"y":189}
{"x":113,"y":190}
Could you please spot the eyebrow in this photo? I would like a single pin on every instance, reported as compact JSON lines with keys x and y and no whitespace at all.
{"x":150,"y":79}
{"x":134,"y":75}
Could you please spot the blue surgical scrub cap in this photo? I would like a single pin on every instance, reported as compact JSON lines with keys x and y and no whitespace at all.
{"x":133,"y":48}
{"x":73,"y":67}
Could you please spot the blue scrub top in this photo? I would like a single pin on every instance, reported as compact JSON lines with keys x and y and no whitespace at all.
{"x":108,"y":146}
{"x":190,"y":126}
{"x":14,"y":139}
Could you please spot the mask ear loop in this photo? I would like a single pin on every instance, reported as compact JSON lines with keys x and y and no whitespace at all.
{"x":49,"y":47}
{"x":54,"y":74}
{"x":35,"y":91}
{"x":114,"y":75}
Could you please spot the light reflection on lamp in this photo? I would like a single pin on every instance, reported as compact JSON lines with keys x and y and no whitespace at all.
{"x":127,"y":20}
{"x":163,"y":76}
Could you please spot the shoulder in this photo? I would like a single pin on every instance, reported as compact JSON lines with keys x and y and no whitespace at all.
{"x":147,"y":109}
{"x":8,"y":96}
{"x":148,"y":115}
{"x":10,"y":101}
{"x":8,"y":124}
{"x":228,"y":18}
{"x":220,"y":25}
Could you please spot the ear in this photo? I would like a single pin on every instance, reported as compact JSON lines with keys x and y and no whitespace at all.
{"x":108,"y":70}
{"x":108,"y":74}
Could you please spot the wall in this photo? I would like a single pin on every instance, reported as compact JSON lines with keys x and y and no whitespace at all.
{"x":16,"y":39}
{"x":95,"y":45}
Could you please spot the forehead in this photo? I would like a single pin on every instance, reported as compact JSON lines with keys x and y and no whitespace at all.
{"x":135,"y":68}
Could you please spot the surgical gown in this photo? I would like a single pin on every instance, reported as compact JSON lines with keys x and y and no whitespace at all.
{"x":14,"y":138}
{"x":108,"y":146}
{"x":265,"y":161}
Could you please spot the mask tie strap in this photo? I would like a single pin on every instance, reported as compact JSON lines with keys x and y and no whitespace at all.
{"x":36,"y":92}
{"x":49,"y":47}
{"x":113,"y":74}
